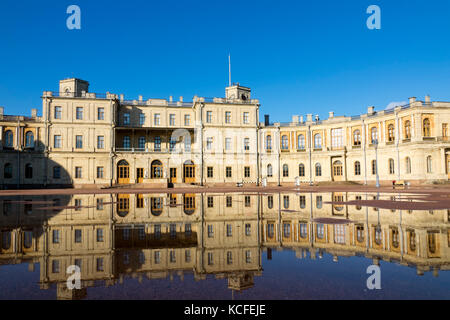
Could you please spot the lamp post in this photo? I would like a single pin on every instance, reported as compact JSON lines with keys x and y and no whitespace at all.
{"x":375,"y":142}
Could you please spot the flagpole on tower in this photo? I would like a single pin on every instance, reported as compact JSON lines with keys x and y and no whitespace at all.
{"x":229,"y":69}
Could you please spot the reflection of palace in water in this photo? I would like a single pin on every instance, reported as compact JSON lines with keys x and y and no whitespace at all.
{"x":159,"y":236}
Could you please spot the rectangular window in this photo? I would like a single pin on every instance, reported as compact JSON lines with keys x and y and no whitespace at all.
{"x":210,"y":231}
{"x":100,"y":142}
{"x":79,"y":142}
{"x":229,"y":201}
{"x":100,"y":171}
{"x":246,"y":118}
{"x":247,"y":201}
{"x":248,"y":256}
{"x":246,"y":144}
{"x":99,"y":264}
{"x":101,"y":114}
{"x":228,"y":117}
{"x":229,"y":230}
{"x":208,"y":116}
{"x":57,"y":141}
{"x":337,"y":138}
{"x":210,"y":172}
{"x":157,"y":119}
{"x":55,"y":266}
{"x":157,"y":145}
{"x":227,"y":143}
{"x":209,"y":142}
{"x":171,"y":119}
{"x":229,"y":257}
{"x":55,"y":236}
{"x":57,"y":172}
{"x":228,"y":172}
{"x":100,"y":237}
{"x":126,"y":119}
{"x":78,"y":204}
{"x":248,"y":229}
{"x":187,"y":256}
{"x":187,"y":120}
{"x":210,"y":258}
{"x":210,"y":202}
{"x":78,"y":236}
{"x":79,"y":113}
{"x":99,"y":204}
{"x":141,"y":119}
{"x":58,"y":113}
{"x":78,"y":173}
{"x":247,"y":172}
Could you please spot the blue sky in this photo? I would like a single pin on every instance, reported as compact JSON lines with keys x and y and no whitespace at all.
{"x":298,"y":57}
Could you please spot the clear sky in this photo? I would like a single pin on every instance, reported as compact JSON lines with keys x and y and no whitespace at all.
{"x":298,"y":57}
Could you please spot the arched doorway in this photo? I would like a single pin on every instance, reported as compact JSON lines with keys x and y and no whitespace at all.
{"x":123,"y":172}
{"x":337,"y":170}
{"x":156,"y":169}
{"x":189,"y":172}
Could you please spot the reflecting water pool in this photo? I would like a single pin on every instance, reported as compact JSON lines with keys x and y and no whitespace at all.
{"x":225,"y":246}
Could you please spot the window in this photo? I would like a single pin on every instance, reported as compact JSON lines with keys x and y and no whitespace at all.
{"x":210,"y":258}
{"x":99,"y":264}
{"x":57,"y":141}
{"x":246,"y":118}
{"x":228,"y":172}
{"x":229,"y":201}
{"x":55,"y":266}
{"x":99,"y":204}
{"x":407,"y":129}
{"x":58,"y":113}
{"x":318,"y":170}
{"x":172,"y":119}
{"x":210,"y":231}
{"x":78,"y":204}
{"x":141,"y":119}
{"x":286,"y":202}
{"x":248,"y":229}
{"x":227,"y":143}
{"x":188,"y":229}
{"x":391,"y":166}
{"x":270,"y":230}
{"x":101,"y":114}
{"x":356,"y":138}
{"x":141,"y":143}
{"x":319,"y":202}
{"x":337,"y":138}
{"x":55,"y":236}
{"x":100,"y":237}
{"x":374,"y":167}
{"x":286,"y":230}
{"x":227,"y":117}
{"x":29,"y":139}
{"x":79,"y":142}
{"x":126,"y":142}
{"x":100,"y":142}
{"x":78,"y":173}
{"x":187,"y":119}
{"x":285,"y":170}
{"x":429,"y":165}
{"x":100,"y":172}
{"x":187,"y":143}
{"x":79,"y":113}
{"x":208,"y":116}
{"x":210,"y":202}
{"x":247,"y":201}
{"x":320,"y":231}
{"x":426,"y":128}
{"x":57,"y":172}
{"x":269,"y":170}
{"x":248,"y":256}
{"x":156,"y":119}
{"x":78,"y":235}
{"x":270,"y":202}
{"x":246,"y":144}
{"x":157,"y":257}
{"x":187,"y":256}
{"x":28,"y":171}
{"x":229,"y":257}
{"x":126,"y":119}
{"x":8,"y":172}
{"x":317,"y":141}
{"x":374,"y":135}
{"x":229,"y":230}
{"x":302,"y":202}
{"x":357,"y":168}
{"x":339,"y":233}
{"x":391,"y":134}
{"x":269,"y":143}
{"x":209,"y":142}
{"x":301,"y":170}
{"x":303,"y":230}
{"x":156,"y":169}
{"x":301,"y":142}
{"x":210,"y":172}
{"x":284,"y":143}
{"x":172,"y":143}
{"x":8,"y":142}
{"x":247,"y":172}
{"x":360,"y":233}
{"x":157,"y":144}
{"x":408,"y":165}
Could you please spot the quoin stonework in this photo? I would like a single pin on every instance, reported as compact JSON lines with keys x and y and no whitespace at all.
{"x":85,"y":139}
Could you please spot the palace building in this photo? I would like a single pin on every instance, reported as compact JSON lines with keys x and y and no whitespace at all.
{"x":86,"y":139}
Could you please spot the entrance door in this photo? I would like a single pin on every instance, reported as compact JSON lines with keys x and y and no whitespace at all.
{"x":173,"y":175}
{"x":140,"y":175}
{"x":123,"y":172}
{"x":189,"y":172}
{"x":337,"y":171}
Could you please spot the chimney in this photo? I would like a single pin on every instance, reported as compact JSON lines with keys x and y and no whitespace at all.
{"x":181,"y":99}
{"x":294,"y":119}
{"x":309,"y":117}
{"x":170,"y":99}
{"x":427,"y":99}
{"x":412,"y":100}
{"x":34,"y":113}
{"x":266,"y":120}
{"x":140,"y":98}
{"x":317,"y":117}
{"x":371,"y":110}
{"x":301,"y":119}
{"x":331,"y":114}
{"x":121,"y":97}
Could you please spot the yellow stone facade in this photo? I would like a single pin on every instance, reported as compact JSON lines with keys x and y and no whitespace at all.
{"x":85,"y":139}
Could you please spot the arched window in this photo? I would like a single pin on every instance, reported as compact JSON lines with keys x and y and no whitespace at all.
{"x":29,"y":139}
{"x":8,"y":139}
{"x":391,"y":166}
{"x":156,"y":205}
{"x":378,"y":236}
{"x":391,"y":134}
{"x":318,"y":170}
{"x":269,"y":170}
{"x":426,"y":127}
{"x":284,"y":143}
{"x":8,"y":171}
{"x":429,"y":165}
{"x":374,"y":135}
{"x":356,"y":138}
{"x":156,"y":170}
{"x":374,"y":167}
{"x":408,"y":165}
{"x":317,"y":141}
{"x":360,"y":233}
{"x":28,"y":171}
{"x":407,"y":129}
{"x":301,"y":142}
{"x":141,"y":143}
{"x":269,"y":143}
{"x":301,"y":170}
{"x":357,"y":168}
{"x":285,"y":170}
